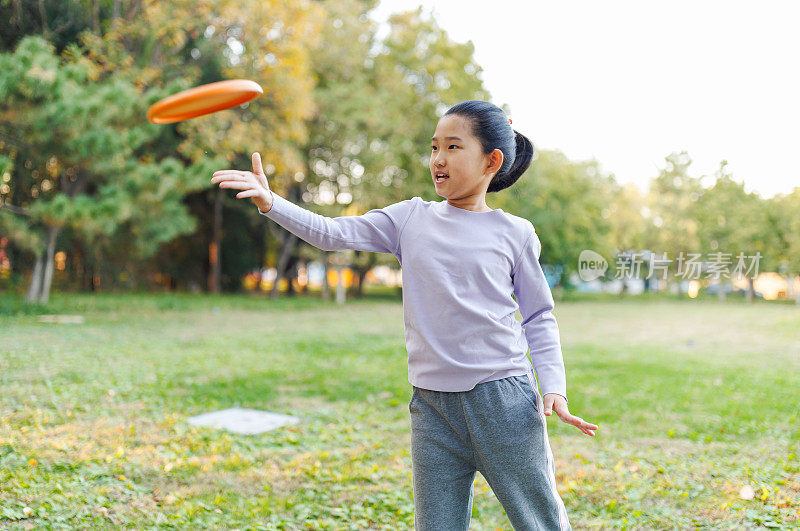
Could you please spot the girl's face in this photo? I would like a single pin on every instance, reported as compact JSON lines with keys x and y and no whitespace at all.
{"x":456,"y":153}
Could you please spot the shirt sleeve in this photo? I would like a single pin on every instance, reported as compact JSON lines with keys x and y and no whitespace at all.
{"x":377,"y":230}
{"x":541,"y":330}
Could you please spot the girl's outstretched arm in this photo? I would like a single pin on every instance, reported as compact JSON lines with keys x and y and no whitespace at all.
{"x":377,"y":230}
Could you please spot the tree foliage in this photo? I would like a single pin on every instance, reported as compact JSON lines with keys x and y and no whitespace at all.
{"x":342,"y":127}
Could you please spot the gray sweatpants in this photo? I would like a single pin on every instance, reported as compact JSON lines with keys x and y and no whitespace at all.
{"x":497,"y":428}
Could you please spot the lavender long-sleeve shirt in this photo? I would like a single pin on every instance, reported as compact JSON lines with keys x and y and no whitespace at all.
{"x":459,"y":270}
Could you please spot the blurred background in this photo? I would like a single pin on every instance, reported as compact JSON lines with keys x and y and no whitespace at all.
{"x":133,"y":293}
{"x":96,"y":199}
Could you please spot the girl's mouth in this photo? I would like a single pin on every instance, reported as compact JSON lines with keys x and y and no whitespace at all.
{"x":440,"y":178}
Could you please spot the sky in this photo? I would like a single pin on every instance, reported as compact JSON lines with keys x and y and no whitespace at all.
{"x":629,"y":82}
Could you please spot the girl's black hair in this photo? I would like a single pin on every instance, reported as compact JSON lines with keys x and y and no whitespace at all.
{"x":491,"y":127}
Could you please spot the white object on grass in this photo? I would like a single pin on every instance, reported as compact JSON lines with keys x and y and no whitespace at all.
{"x":62,"y":319}
{"x":240,"y":420}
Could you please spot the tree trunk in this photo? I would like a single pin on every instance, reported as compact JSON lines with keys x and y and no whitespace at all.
{"x":77,"y":266}
{"x":304,"y":287}
{"x":680,"y":285}
{"x":96,"y":270}
{"x":326,"y":288}
{"x":291,"y":274}
{"x":34,"y":288}
{"x":41,"y":279}
{"x":796,"y":284}
{"x":213,"y":249}
{"x":52,"y":236}
{"x":360,"y":287}
{"x":341,"y":289}
{"x":720,"y":290}
{"x":43,"y":14}
{"x":289,"y":240}
{"x":96,"y":16}
{"x":288,"y":243}
{"x":361,"y":273}
{"x":751,"y":288}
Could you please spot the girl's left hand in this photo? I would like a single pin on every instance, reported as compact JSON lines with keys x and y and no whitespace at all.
{"x":554,"y":401}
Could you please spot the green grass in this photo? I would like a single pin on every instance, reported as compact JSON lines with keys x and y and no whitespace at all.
{"x":694,"y":400}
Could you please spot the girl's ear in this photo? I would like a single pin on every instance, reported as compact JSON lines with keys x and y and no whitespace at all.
{"x":495,"y":161}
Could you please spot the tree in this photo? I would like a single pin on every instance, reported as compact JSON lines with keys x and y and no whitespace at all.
{"x":731,"y":222}
{"x":56,"y":21}
{"x":624,"y":214}
{"x":670,"y":204}
{"x":420,"y":73}
{"x":377,"y":105}
{"x":70,"y":138}
{"x":784,"y":219}
{"x":417,"y":73}
{"x":669,"y":211}
{"x":267,"y":41}
{"x":337,"y":134}
{"x":149,"y":47}
{"x":565,"y":201}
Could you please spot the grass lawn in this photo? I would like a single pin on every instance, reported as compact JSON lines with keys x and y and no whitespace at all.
{"x":694,"y":399}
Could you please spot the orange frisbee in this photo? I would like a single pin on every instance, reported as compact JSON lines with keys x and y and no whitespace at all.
{"x":202,"y":100}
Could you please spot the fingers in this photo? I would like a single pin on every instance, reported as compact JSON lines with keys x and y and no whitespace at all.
{"x":236,"y":181}
{"x":249,"y":189}
{"x":225,"y":175}
{"x":586,"y":427}
{"x":248,"y":193}
{"x":257,"y":168}
{"x":238,"y":185}
{"x":219,"y":172}
{"x":246,"y":181}
{"x":237,"y":175}
{"x":563,"y":413}
{"x":589,"y":425}
{"x":548,"y":404}
{"x":262,"y":178}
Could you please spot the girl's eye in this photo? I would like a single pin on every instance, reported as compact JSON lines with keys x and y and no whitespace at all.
{"x":451,"y":145}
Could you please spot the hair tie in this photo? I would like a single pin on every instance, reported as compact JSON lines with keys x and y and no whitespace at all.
{"x":509,"y":120}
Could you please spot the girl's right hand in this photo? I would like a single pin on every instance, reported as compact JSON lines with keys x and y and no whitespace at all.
{"x":253,"y":184}
{"x":556,"y":402}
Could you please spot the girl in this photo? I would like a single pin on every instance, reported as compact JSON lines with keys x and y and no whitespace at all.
{"x":474,"y":405}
